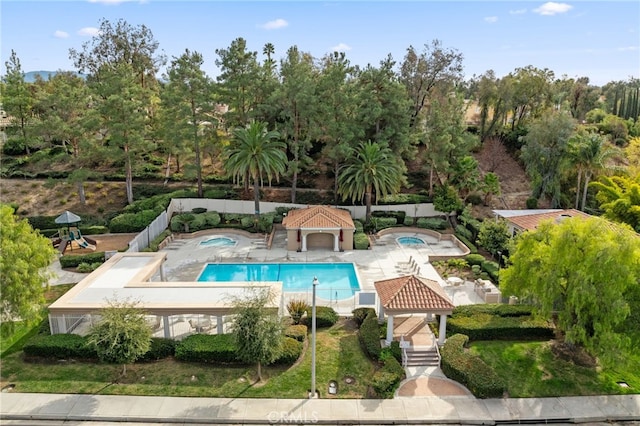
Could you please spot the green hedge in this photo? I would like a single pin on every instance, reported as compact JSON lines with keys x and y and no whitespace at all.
{"x":360,"y":241}
{"x":472,"y":248}
{"x":399,"y":215}
{"x":289,"y":351}
{"x":74,"y":261}
{"x":433,"y":223}
{"x":470,"y":370}
{"x":386,"y":380}
{"x":326,"y":316}
{"x":359,"y":314}
{"x":59,"y":346}
{"x":492,"y":327}
{"x":499,"y":309}
{"x":369,"y":336}
{"x":383,"y":222}
{"x":298,"y":332}
{"x":474,"y":259}
{"x":161,"y":348}
{"x":359,"y":226}
{"x":132,"y":222}
{"x":492,"y":268}
{"x":215,"y":349}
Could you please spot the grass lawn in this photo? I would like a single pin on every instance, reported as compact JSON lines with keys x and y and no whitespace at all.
{"x":531,"y":370}
{"x":338,"y":355}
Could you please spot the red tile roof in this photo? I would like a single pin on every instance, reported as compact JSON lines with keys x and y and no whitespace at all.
{"x":318,"y":217}
{"x":531,"y":221}
{"x":412,"y":294}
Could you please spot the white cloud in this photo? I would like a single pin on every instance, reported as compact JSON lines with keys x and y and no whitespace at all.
{"x":89,"y":31}
{"x":518,"y":12}
{"x":275,"y":25}
{"x":109,"y":1}
{"x":491,"y":19}
{"x":61,"y":34}
{"x":340,"y":47}
{"x":552,"y":8}
{"x":628,"y":49}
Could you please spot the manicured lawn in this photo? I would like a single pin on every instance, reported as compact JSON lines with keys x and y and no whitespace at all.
{"x":531,"y":370}
{"x":338,"y":355}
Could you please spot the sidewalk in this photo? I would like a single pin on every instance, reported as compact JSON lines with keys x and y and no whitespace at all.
{"x":416,"y":410}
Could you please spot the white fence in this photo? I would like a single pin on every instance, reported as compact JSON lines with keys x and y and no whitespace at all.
{"x":180,"y":205}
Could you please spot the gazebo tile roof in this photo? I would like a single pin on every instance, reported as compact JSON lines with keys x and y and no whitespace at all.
{"x":412,"y":293}
{"x":318,"y":217}
{"x":531,"y":221}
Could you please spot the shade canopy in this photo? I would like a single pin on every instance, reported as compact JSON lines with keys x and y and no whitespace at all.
{"x":68,"y":217}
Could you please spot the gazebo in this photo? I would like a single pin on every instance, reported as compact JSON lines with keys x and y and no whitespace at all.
{"x":412,"y":294}
{"x":319,"y":227}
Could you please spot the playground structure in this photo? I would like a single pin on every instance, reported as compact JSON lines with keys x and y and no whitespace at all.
{"x":72,"y":236}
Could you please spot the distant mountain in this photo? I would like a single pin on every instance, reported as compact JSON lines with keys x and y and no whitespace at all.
{"x":30,"y":76}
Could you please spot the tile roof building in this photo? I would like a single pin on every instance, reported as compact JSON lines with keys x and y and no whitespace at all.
{"x":319,"y":227}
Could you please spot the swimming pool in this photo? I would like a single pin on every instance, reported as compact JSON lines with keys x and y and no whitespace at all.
{"x":218,"y":242}
{"x":410,"y":241}
{"x":336,"y":280}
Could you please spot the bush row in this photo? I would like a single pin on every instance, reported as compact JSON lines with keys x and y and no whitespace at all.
{"x":359,"y":314}
{"x":498,"y":309}
{"x":369,"y":336}
{"x":386,"y":380}
{"x":492,"y":327}
{"x":360,"y":241}
{"x":74,"y":261}
{"x":192,"y":222}
{"x":472,"y":248}
{"x":298,"y":332}
{"x":326,"y":316}
{"x":470,"y":370}
{"x":433,"y":223}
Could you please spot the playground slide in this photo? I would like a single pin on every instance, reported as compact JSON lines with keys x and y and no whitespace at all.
{"x":84,"y":244}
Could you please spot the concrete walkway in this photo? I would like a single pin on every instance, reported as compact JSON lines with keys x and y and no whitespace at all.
{"x":426,"y":410}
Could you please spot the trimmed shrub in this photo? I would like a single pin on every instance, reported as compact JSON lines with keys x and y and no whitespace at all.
{"x":392,"y":350}
{"x":215,"y":349}
{"x":359,"y":226}
{"x":359,"y":314}
{"x":385,"y":381}
{"x":360,"y":241}
{"x":472,"y":248}
{"x":181,"y":222}
{"x":434,"y":223}
{"x":470,"y":370}
{"x":369,"y":336}
{"x":398,"y":215}
{"x":383,"y":222}
{"x":59,"y":346}
{"x":492,"y":268}
{"x":409,"y":221}
{"x":326,"y":316}
{"x":161,"y":348}
{"x":153,"y":245}
{"x":212,"y":219}
{"x":198,"y":210}
{"x":461,"y":230}
{"x":74,"y":261}
{"x":85,"y":267}
{"x":247,"y":221}
{"x":298,"y":332}
{"x":132,"y":222}
{"x":492,"y":327}
{"x":475,"y":259}
{"x":498,"y":309}
{"x":290,"y":351}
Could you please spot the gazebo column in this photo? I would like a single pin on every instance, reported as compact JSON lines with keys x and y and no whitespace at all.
{"x":443,"y":329}
{"x":166,"y":326}
{"x":304,"y":242}
{"x":336,"y":242}
{"x":163,"y":277}
{"x":389,"y":330}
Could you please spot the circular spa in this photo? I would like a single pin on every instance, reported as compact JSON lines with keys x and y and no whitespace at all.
{"x":218,"y":242}
{"x":410,"y":241}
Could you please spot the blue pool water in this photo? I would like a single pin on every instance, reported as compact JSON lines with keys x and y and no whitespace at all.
{"x":218,"y":242}
{"x":410,"y":241}
{"x":336,"y":280}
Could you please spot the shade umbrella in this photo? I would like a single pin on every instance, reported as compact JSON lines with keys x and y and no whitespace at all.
{"x":67,"y":218}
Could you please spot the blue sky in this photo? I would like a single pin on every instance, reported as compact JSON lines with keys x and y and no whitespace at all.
{"x":597,"y":39}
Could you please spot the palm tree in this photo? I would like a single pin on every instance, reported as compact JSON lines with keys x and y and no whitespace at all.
{"x":255,"y":152}
{"x":589,"y":153}
{"x":370,"y":168}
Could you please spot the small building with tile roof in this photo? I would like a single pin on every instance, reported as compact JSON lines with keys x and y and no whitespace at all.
{"x":413,"y":294}
{"x":319,"y":227}
{"x":529,"y":220}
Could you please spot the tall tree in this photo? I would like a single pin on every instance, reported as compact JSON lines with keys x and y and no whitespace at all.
{"x":188,"y":106}
{"x":295,"y":98}
{"x":68,"y":117}
{"x":589,"y":153}
{"x":371,"y":168}
{"x":545,"y":153}
{"x":239,"y":74}
{"x":335,"y":123}
{"x":382,"y":106}
{"x":257,"y":153}
{"x":24,"y":257}
{"x":17,"y":101}
{"x":122,"y":334}
{"x":422,"y":72}
{"x":530,"y":95}
{"x":257,"y":330}
{"x":577,"y":271}
{"x":122,"y":63}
